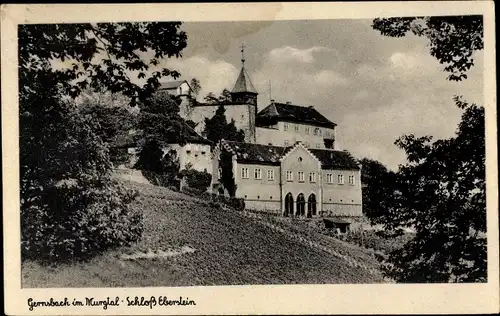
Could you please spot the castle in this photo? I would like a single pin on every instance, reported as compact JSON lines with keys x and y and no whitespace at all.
{"x":288,"y":163}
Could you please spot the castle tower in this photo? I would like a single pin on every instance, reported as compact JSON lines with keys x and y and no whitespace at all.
{"x":244,"y":93}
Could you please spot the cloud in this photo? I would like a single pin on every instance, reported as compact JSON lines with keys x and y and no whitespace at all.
{"x":214,"y":75}
{"x":401,"y":66}
{"x":291,"y":54}
{"x":329,"y":77}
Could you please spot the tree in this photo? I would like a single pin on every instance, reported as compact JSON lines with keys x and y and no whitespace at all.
{"x":70,"y":206}
{"x":217,"y":128}
{"x":225,"y":97}
{"x":453,"y":39}
{"x":378,"y":191}
{"x":195,"y":86}
{"x":443,"y":198}
{"x":210,"y":98}
{"x":161,"y":126}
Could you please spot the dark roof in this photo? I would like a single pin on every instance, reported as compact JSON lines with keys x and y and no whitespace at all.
{"x":255,"y":153}
{"x":193,"y":137}
{"x":243,"y":83}
{"x":334,"y":159}
{"x":294,"y":113}
{"x":171,"y":84}
{"x":267,"y":154}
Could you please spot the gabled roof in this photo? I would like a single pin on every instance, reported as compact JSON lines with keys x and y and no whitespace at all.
{"x":171,"y":84}
{"x":243,"y":83}
{"x":335,"y":159}
{"x":254,"y":153}
{"x":294,"y":113}
{"x":193,"y":137}
{"x":266,"y":154}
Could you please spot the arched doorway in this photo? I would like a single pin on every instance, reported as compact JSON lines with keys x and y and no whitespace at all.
{"x":289,"y":205}
{"x":311,"y":205}
{"x":301,"y":205}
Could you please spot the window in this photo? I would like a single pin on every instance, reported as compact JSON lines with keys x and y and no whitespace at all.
{"x":318,"y":145}
{"x":203,"y":153}
{"x":244,"y":173}
{"x":340,"y":179}
{"x":317,"y":131}
{"x":300,"y":159}
{"x":312,"y":177}
{"x":219,"y":173}
{"x":188,"y":152}
{"x":351,"y":180}
{"x":329,"y":178}
{"x":286,"y":143}
{"x":270,"y":174}
{"x":289,"y":175}
{"x":285,"y":127}
{"x":296,"y":128}
{"x":306,"y":145}
{"x":257,"y":174}
{"x":301,"y":176}
{"x":307,"y":130}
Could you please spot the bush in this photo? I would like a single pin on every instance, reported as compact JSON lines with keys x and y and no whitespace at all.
{"x":70,"y":222}
{"x":70,"y":206}
{"x":158,"y":167}
{"x":197,"y":180}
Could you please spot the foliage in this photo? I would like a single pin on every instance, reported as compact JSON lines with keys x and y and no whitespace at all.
{"x":195,"y":86}
{"x":111,"y":121}
{"x":442,"y":196}
{"x":159,"y":164}
{"x":70,"y":206}
{"x":379,"y":186}
{"x":119,"y":46}
{"x":376,"y":240}
{"x":217,"y":128}
{"x":64,"y":165}
{"x":224,"y":98}
{"x":453,"y":39}
{"x":210,"y":98}
{"x":197,"y":180}
{"x":227,"y":176}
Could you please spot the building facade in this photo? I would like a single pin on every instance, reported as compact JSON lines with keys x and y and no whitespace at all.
{"x":291,"y":181}
{"x":288,"y":164}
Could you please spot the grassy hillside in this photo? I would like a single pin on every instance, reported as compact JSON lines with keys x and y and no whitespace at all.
{"x":228,"y":249}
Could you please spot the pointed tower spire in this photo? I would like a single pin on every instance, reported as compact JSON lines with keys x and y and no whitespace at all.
{"x":243,"y":90}
{"x":242,"y":55}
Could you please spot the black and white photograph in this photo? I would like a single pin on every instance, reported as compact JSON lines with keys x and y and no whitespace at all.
{"x":158,"y":161}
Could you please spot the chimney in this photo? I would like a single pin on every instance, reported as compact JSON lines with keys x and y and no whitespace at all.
{"x":288,"y":102}
{"x":272,"y":100}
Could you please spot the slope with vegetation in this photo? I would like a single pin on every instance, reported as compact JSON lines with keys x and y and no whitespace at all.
{"x":228,"y":249}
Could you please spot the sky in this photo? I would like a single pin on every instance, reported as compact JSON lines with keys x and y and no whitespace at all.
{"x":374,"y":87}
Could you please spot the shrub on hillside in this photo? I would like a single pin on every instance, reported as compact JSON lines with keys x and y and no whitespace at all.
{"x":71,"y":222}
{"x":70,"y":206}
{"x":159,"y":165}
{"x":197,"y":180}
